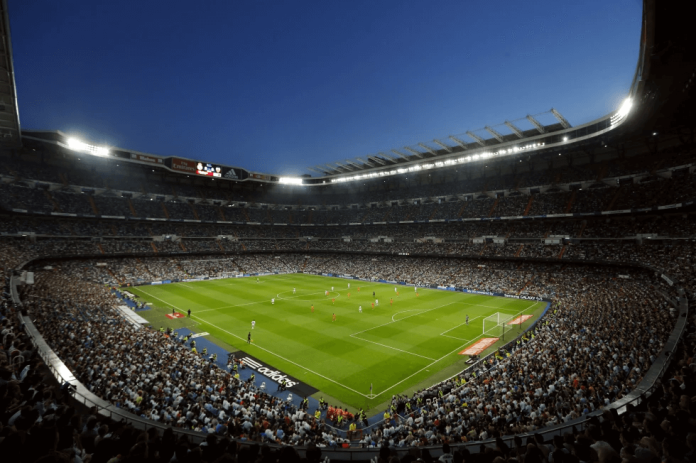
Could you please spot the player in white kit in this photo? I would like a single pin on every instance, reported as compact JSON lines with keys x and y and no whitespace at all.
{"x":253,"y":324}
{"x":360,"y":309}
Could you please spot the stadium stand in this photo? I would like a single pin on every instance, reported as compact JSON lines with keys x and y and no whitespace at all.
{"x":605,"y":230}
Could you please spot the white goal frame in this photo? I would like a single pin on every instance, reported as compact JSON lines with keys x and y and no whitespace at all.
{"x":497,"y":324}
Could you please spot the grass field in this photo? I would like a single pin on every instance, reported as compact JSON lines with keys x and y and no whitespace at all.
{"x":400,"y":347}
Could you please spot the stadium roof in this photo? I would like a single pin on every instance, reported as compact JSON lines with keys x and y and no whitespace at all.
{"x":10,"y":136}
{"x":488,"y":137}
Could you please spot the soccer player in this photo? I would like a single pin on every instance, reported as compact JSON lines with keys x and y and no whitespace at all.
{"x":373,"y":306}
{"x":391,"y":301}
{"x":348,"y":295}
{"x":395,"y":289}
{"x":415,"y":288}
{"x":360,"y":309}
{"x":333,"y":317}
{"x":273,"y":301}
{"x":333,"y":300}
{"x":326,"y":293}
{"x":253,"y":324}
{"x":358,"y":288}
{"x":467,"y":319}
{"x":332,"y":288}
{"x":376,"y":301}
{"x":189,"y":313}
{"x":293,"y":290}
{"x":312,"y":308}
{"x":373,"y":294}
{"x":348,"y":285}
{"x":249,"y":338}
{"x":257,"y":280}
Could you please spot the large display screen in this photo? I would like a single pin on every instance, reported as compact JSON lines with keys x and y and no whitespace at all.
{"x":206,"y":169}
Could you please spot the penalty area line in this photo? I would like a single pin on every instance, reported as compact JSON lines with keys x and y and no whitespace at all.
{"x":465,"y":323}
{"x":390,"y":347}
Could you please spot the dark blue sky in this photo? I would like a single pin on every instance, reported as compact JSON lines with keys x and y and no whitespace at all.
{"x":278,"y":86}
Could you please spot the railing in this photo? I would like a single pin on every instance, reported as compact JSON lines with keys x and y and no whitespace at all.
{"x":83,"y":396}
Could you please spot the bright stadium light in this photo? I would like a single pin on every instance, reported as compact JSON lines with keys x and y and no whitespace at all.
{"x":290,"y":181}
{"x":623,"y":111}
{"x":78,"y":145}
{"x":625,"y":107}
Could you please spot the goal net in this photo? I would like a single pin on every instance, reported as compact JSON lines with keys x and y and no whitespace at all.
{"x":497,"y":325}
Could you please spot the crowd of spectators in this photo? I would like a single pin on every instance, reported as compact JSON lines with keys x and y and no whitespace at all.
{"x":596,"y":343}
{"x":500,"y":196}
{"x":593,"y":348}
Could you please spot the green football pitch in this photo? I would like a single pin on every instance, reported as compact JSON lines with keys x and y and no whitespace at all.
{"x":398,"y":347}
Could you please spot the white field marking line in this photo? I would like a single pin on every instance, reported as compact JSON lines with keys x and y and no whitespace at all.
{"x":465,"y":323}
{"x":419,"y":313}
{"x":517,"y":315}
{"x":449,"y":353}
{"x":302,"y":295}
{"x":187,"y":285}
{"x":264,"y":349}
{"x":403,"y":311}
{"x":230,"y":306}
{"x":401,"y":319}
{"x":390,"y":347}
{"x":454,"y":337}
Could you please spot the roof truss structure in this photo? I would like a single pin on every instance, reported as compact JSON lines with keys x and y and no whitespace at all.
{"x":478,"y":139}
{"x":536,"y":124}
{"x":416,"y":153}
{"x":514,"y":129}
{"x":446,"y":147}
{"x":497,"y":136}
{"x":411,"y":154}
{"x":459,"y":142}
{"x":561,"y":119}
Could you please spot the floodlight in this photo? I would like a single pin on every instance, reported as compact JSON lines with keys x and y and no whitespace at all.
{"x":625,"y":108}
{"x":290,"y":181}
{"x":77,"y":145}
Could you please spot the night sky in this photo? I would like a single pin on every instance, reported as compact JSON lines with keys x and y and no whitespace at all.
{"x":278,"y":86}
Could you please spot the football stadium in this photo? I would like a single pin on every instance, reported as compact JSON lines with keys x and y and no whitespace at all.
{"x":516,"y":293}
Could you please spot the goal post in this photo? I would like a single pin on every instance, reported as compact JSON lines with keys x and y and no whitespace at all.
{"x":497,"y":325}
